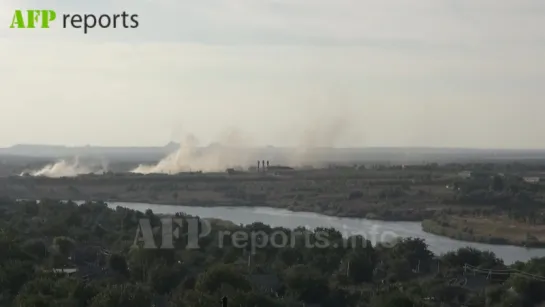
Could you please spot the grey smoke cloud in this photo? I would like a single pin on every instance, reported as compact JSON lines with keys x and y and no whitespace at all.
{"x":235,"y":148}
{"x":66,"y":168}
{"x":230,"y":150}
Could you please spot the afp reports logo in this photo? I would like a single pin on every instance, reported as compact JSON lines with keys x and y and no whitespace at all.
{"x":32,"y":19}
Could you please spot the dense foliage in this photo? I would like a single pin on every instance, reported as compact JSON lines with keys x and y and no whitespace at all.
{"x":39,"y":239}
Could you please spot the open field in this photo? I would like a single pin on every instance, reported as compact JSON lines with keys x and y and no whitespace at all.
{"x":477,"y":207}
{"x":385,"y":194}
{"x":492,"y":230}
{"x":394,"y":193}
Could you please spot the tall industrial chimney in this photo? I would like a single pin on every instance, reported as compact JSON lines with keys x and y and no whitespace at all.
{"x":263,"y":165}
{"x":258,"y":166}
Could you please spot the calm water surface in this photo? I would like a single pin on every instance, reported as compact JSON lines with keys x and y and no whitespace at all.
{"x":373,"y":230}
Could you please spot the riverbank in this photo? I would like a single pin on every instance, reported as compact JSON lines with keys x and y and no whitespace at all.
{"x":466,"y":229}
{"x":495,"y":230}
{"x":370,"y":213}
{"x":392,"y":195}
{"x":378,"y":230}
{"x":498,"y":230}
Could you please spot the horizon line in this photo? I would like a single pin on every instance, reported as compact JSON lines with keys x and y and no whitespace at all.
{"x":14,"y":146}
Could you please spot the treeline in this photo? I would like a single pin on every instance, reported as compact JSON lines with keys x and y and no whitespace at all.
{"x":498,"y":190}
{"x":64,"y":254}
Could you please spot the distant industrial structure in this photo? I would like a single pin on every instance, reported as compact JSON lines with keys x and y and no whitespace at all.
{"x":280,"y":168}
{"x":265,"y":167}
{"x":262,"y":167}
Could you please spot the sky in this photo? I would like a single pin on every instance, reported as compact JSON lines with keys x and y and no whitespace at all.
{"x":345,"y":73}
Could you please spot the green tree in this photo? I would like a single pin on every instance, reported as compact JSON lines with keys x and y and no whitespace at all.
{"x":123,"y":295}
{"x":117,"y":263}
{"x":193,"y":298}
{"x":307,"y":283}
{"x":14,"y":274}
{"x":395,"y":299}
{"x":213,"y":279}
{"x":64,"y":245}
{"x":497,"y":184}
{"x":360,"y":266}
{"x":163,"y":279}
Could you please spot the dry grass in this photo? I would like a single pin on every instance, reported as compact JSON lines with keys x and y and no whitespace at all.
{"x":496,"y":230}
{"x":500,"y":226}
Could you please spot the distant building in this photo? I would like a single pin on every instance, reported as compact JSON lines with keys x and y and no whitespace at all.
{"x":465,"y":174}
{"x":230,"y":171}
{"x":531,"y":179}
{"x":280,"y":168}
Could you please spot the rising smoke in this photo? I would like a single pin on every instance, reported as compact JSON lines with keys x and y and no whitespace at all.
{"x":64,"y":168}
{"x":234,"y":149}
{"x":228,"y":152}
{"x":323,"y":133}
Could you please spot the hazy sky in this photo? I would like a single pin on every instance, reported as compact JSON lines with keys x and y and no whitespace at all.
{"x":465,"y":73}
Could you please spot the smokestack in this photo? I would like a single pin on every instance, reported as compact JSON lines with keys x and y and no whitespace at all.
{"x":263,"y":164}
{"x":258,"y":166}
{"x":267,"y":164}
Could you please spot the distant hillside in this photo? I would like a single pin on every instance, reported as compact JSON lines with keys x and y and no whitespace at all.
{"x":282,"y":155}
{"x":111,"y":153}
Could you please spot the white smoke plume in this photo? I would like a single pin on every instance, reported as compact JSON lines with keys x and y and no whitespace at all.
{"x":229,"y":152}
{"x":326,"y":134}
{"x":321,"y":128}
{"x":324,"y":129}
{"x":64,"y":168}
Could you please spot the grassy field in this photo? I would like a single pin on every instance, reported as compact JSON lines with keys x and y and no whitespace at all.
{"x":382,"y":194}
{"x":493,"y":230}
{"x":477,"y":209}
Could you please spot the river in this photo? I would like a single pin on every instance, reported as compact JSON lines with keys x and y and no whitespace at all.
{"x":373,"y":230}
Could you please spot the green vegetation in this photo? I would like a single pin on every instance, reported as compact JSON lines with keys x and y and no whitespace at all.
{"x":41,"y":242}
{"x":491,"y":230}
{"x":495,"y":208}
{"x":454,"y":199}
